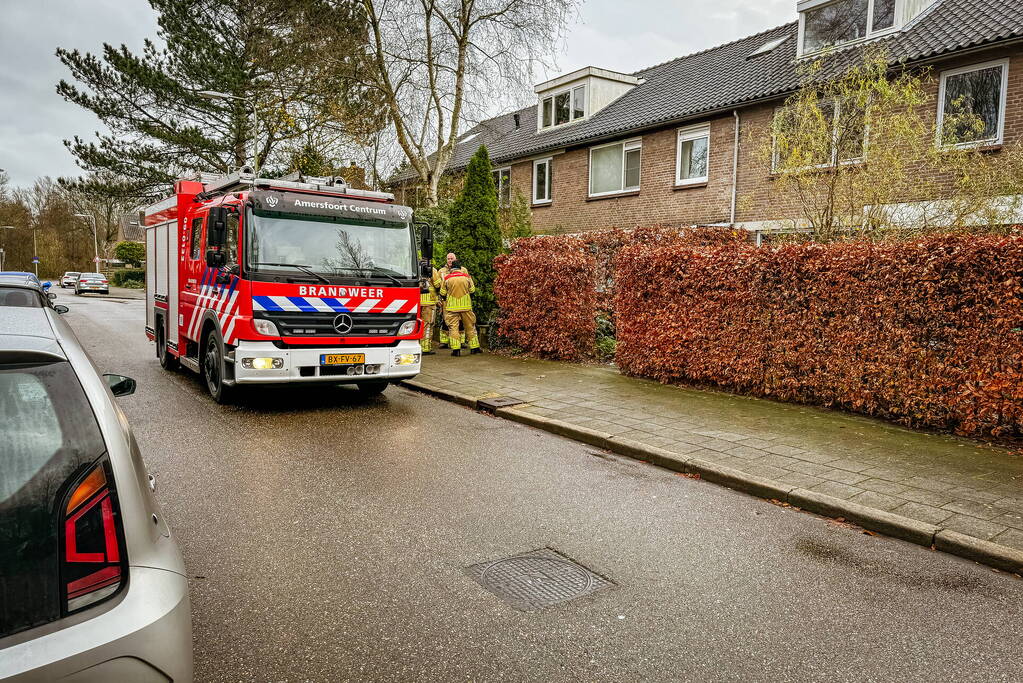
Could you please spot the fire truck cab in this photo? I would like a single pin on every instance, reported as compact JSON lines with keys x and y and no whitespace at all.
{"x":258,"y":281}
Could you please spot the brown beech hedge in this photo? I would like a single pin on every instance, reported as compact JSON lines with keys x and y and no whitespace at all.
{"x":545,"y":293}
{"x":928,"y":333}
{"x":550,"y":288}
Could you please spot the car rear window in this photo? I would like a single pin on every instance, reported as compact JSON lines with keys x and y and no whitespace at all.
{"x":49,"y":436}
{"x":19,"y":297}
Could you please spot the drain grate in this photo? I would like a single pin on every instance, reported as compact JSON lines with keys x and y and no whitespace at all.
{"x":537,"y":579}
{"x":489,"y":405}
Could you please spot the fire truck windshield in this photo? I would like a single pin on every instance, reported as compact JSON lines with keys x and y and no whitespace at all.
{"x":329,"y":247}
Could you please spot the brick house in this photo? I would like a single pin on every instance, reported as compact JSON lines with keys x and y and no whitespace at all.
{"x":670,"y":144}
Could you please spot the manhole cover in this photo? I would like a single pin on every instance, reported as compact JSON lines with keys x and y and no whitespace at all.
{"x":537,"y":579}
{"x":489,"y":405}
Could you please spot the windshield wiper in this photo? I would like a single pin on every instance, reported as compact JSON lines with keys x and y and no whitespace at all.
{"x":304,"y":269}
{"x":375,"y":270}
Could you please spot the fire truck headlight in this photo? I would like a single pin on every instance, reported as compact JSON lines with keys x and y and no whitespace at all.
{"x":406,"y":359}
{"x":407,"y":328}
{"x":262,"y":363}
{"x":265,"y":327}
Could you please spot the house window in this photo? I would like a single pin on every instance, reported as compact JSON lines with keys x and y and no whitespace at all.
{"x":615,"y":167}
{"x":563,"y":107}
{"x":578,"y":102}
{"x":542,"y":180}
{"x":971,"y":104}
{"x":693,"y":155}
{"x":844,"y":141}
{"x":844,"y":21}
{"x":502,"y":183}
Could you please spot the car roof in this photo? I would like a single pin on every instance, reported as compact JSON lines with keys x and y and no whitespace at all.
{"x":18,"y":280}
{"x":19,"y":273}
{"x":28,"y":330}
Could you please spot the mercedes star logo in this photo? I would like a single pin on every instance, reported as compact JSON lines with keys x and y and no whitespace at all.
{"x":271,"y":202}
{"x":343,"y":323}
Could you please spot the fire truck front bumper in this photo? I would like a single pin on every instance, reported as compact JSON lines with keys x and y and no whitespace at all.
{"x":264,"y":363}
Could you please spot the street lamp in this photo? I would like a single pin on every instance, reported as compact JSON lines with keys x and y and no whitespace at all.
{"x":95,"y":239}
{"x":214,"y":95}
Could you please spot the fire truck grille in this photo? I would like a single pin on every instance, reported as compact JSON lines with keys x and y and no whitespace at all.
{"x":302,"y":324}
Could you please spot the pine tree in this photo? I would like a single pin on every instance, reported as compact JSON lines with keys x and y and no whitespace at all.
{"x":266,"y":54}
{"x":473,"y":234}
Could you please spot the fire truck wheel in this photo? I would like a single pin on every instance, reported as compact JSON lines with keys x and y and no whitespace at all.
{"x":213,"y":369}
{"x":167,"y":361}
{"x":374,"y":388}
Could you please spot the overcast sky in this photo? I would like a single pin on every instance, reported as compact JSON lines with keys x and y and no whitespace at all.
{"x":34,"y":120}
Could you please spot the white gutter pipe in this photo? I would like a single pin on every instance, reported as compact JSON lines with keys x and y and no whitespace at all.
{"x":735,"y":166}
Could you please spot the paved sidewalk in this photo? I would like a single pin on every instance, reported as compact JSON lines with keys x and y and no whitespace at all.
{"x":955,"y":484}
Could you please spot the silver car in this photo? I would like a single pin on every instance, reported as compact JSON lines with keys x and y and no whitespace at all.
{"x":92,"y":282}
{"x":92,"y":585}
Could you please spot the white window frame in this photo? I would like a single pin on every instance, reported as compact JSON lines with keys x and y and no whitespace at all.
{"x":870,"y":34}
{"x":627,"y":146}
{"x":685,"y":135}
{"x":571,"y":107}
{"x":835,"y":162}
{"x":1000,"y":136}
{"x":498,"y":172}
{"x":548,"y":170}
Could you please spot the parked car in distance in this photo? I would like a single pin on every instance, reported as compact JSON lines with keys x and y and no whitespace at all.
{"x":68,"y":279}
{"x":92,"y":282}
{"x":92,"y":585}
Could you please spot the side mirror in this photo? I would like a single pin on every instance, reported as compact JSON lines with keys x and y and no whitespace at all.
{"x":47,"y":285}
{"x":60,"y":308}
{"x":425,"y":242}
{"x":120,"y":385}
{"x":216,"y":227}
{"x":216,"y":237}
{"x":51,"y":296}
{"x":215,"y":258}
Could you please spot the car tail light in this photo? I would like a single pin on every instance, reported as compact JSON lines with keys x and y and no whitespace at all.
{"x":103,"y":281}
{"x":94,"y":562}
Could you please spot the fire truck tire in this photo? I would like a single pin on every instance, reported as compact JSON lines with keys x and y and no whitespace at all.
{"x":372,"y":388}
{"x":213,"y":368}
{"x":167,"y":361}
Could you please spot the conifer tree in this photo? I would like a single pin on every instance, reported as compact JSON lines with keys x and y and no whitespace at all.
{"x":473,"y":234}
{"x":265,"y":54}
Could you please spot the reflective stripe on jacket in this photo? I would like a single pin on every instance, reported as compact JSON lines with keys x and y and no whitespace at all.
{"x":457,"y":286}
{"x":429,"y":297}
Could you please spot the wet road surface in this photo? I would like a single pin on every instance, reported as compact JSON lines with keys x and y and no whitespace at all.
{"x":327,"y":538}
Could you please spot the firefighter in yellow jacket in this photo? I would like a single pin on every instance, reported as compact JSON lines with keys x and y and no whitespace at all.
{"x":457,"y":286}
{"x":444,"y":272}
{"x":428,"y":309}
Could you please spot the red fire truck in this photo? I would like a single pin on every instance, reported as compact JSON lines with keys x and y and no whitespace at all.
{"x":257,"y":281}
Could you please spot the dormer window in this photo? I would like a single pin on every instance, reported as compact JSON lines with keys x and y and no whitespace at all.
{"x":831,"y":23}
{"x":563,"y":107}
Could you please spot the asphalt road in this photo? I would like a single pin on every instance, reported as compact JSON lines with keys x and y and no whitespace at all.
{"x":328,"y":537}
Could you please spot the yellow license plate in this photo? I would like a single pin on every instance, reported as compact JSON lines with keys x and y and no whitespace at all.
{"x":342,"y":358}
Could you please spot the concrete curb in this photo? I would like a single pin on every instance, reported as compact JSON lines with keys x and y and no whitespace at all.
{"x":985,"y":552}
{"x":890,"y":524}
{"x":454,"y":396}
